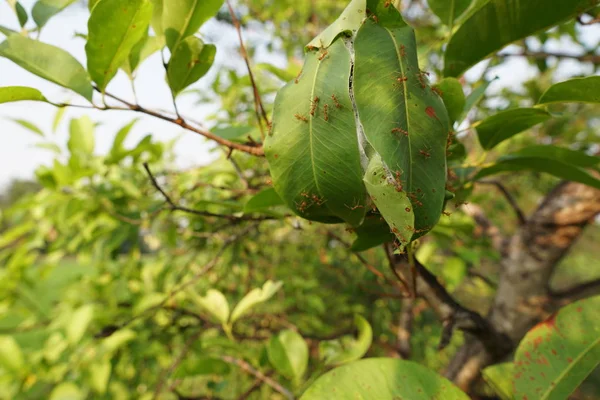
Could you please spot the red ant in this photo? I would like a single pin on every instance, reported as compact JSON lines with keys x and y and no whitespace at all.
{"x":400,"y":130}
{"x":313,"y":106}
{"x":325,"y":114}
{"x":335,"y":100}
{"x":425,"y":153}
{"x":323,"y":55}
{"x":301,"y":117}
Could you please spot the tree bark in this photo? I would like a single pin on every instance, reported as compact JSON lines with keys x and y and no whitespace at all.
{"x":524,"y":297}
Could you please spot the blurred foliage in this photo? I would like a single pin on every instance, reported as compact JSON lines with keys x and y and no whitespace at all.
{"x":101,"y":276}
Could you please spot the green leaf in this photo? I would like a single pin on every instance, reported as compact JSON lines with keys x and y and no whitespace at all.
{"x":288,"y":353}
{"x":501,"y":22}
{"x":79,"y":323}
{"x":11,"y":356}
{"x":21,"y":14}
{"x":262,"y":200}
{"x":201,"y":366}
{"x":233,"y":132}
{"x":48,"y":62}
{"x":66,"y":391}
{"x":391,"y":200}
{"x":99,"y":375}
{"x":559,"y":353}
{"x":184,"y":18}
{"x":214,"y":302}
{"x":43,"y":10}
{"x":6,"y":31}
{"x":558,"y":168}
{"x":117,"y":340}
{"x":449,"y":10}
{"x":474,"y":98}
{"x":254,"y":297}
{"x":284,"y":75}
{"x":578,"y":90}
{"x":506,"y":124}
{"x":347,"y":348}
{"x":500,"y":378}
{"x":49,"y":146}
{"x":348,"y":22}
{"x":81,"y":137}
{"x":403,"y":119}
{"x":453,"y":96}
{"x":383,"y":379}
{"x":114,"y":28}
{"x":60,"y":113}
{"x":312,"y":148}
{"x":190,"y":61}
{"x":568,"y":156}
{"x":10,"y":94}
{"x":141,"y":51}
{"x":29,"y":126}
{"x":117,"y":151}
{"x":373,"y":232}
{"x":157,"y":17}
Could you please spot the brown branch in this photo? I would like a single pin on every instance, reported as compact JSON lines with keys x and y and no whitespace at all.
{"x":169,"y":371}
{"x":405,"y":325}
{"x":258,"y":104}
{"x":246,"y":367}
{"x":255,"y":150}
{"x":508,"y":196}
{"x":577,"y":292}
{"x":175,"y":206}
{"x":541,"y":55}
{"x":532,"y":254}
{"x":485,"y":226}
{"x":449,"y":311}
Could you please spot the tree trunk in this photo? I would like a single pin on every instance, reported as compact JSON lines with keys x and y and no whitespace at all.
{"x":530,"y":257}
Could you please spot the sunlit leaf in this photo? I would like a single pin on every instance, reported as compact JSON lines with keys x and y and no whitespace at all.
{"x":254,"y":297}
{"x":79,"y":323}
{"x":347,"y":348}
{"x":190,"y":61}
{"x":506,"y":124}
{"x":30,"y":126}
{"x":10,"y":94}
{"x":81,"y":135}
{"x":215,"y":303}
{"x":348,"y":22}
{"x":43,"y":10}
{"x":501,"y":22}
{"x":11,"y":356}
{"x":66,"y":391}
{"x":559,"y":353}
{"x":453,"y":96}
{"x":48,"y":62}
{"x":312,"y":149}
{"x":383,"y":379}
{"x":288,"y":353}
{"x":578,"y":90}
{"x":449,"y":10}
{"x":114,"y":28}
{"x":183,"y":18}
{"x":262,"y":200}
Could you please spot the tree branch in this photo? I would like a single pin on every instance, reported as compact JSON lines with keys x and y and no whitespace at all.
{"x":449,"y":311}
{"x":259,"y":109}
{"x":175,"y":206}
{"x":577,"y":292}
{"x":541,"y":55}
{"x":255,"y":150}
{"x":243,"y":365}
{"x":509,"y":197}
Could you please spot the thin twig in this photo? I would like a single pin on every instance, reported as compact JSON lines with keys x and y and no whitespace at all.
{"x":255,"y":150}
{"x":541,"y":55}
{"x":243,"y":365}
{"x":258,"y":104}
{"x":175,"y":206}
{"x":509,"y":197}
{"x":169,"y":371}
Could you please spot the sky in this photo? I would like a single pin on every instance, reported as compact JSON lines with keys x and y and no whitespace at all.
{"x":19,"y":157}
